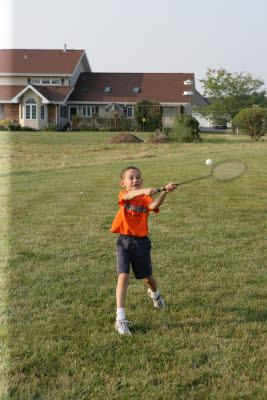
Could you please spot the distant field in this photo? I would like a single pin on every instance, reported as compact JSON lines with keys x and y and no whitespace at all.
{"x":58,"y":198}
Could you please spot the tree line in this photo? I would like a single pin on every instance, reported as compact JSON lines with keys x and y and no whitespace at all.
{"x":237,"y":98}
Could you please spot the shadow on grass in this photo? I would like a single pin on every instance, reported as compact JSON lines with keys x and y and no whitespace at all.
{"x":141,"y":328}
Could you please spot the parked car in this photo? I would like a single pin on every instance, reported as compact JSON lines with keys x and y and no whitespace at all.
{"x":221,"y":126}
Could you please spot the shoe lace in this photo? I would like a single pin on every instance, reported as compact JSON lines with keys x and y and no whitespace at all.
{"x":125,"y":324}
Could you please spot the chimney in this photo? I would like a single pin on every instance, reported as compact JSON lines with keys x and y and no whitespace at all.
{"x":65,"y":48}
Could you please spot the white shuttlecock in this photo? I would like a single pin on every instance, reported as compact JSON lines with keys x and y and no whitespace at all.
{"x":208,"y":161}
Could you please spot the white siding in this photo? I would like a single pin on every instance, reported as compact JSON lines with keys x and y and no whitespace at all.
{"x":81,"y":68}
{"x":13,"y":80}
{"x":203,"y":122}
{"x":35,"y":123}
{"x":168,"y":115}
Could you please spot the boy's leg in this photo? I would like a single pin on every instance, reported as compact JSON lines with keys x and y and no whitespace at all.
{"x":151,"y":283}
{"x":121,"y":293}
{"x":153,"y":292}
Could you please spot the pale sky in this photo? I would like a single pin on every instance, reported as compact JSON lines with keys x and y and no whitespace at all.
{"x":145,"y":35}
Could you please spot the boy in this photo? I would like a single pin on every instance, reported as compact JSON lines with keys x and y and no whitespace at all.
{"x":133,"y":245}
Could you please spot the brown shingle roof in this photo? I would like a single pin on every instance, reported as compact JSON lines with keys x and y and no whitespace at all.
{"x":57,"y":94}
{"x":39,"y":61}
{"x":7,"y":92}
{"x":54,"y":93}
{"x":163,"y":87}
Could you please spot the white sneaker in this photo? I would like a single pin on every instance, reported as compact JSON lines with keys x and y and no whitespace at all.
{"x":122,"y":327}
{"x":158,"y":303}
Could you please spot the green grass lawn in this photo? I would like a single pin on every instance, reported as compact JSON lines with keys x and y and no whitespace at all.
{"x":58,"y":278}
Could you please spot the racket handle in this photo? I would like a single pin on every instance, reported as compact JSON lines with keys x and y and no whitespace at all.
{"x":164,"y":188}
{"x":161,"y":189}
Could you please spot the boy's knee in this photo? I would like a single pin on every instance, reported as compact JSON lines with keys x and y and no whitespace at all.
{"x":123,"y":279}
{"x":149,"y":279}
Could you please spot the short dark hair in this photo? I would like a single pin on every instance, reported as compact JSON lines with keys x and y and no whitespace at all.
{"x":127,"y":168}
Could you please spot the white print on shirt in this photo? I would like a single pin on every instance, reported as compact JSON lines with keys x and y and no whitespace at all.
{"x":135,"y":208}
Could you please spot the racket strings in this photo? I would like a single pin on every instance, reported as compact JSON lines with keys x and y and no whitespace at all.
{"x":228,"y":170}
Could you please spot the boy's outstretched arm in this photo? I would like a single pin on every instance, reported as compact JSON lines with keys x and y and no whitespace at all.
{"x":135,"y":193}
{"x":156,"y":203}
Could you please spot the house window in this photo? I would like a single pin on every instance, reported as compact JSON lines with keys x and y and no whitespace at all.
{"x":55,"y":81}
{"x":86,"y":111}
{"x":107,"y":89}
{"x":28,"y":112}
{"x":46,"y":81}
{"x":33,"y":112}
{"x":31,"y":109}
{"x":62,"y":82}
{"x":130,"y":112}
{"x":89,"y":111}
{"x":42,"y":112}
{"x":63,"y":112}
{"x":35,"y":81}
{"x":136,"y":90}
{"x":2,"y":111}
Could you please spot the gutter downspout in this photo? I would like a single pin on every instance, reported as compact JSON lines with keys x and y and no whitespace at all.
{"x":56,"y":115}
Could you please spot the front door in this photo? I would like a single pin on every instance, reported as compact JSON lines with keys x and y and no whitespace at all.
{"x":73,"y":111}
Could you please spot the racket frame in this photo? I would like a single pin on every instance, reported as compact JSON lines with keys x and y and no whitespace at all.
{"x":244,"y":170}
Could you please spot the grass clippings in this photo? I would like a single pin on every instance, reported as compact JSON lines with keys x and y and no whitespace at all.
{"x":125,"y":138}
{"x":158,"y":139}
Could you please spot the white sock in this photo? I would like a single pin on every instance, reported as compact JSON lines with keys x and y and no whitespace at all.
{"x":120,"y":314}
{"x":155,"y":295}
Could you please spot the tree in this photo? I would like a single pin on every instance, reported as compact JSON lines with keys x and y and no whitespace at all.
{"x":146,"y":109}
{"x":258,"y":98}
{"x":184,"y":129}
{"x":229,"y":93}
{"x":253,"y":121}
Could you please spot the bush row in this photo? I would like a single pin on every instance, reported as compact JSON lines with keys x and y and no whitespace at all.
{"x":9,"y":125}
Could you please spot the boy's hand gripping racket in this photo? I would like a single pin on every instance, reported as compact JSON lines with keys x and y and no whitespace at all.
{"x":223,"y":171}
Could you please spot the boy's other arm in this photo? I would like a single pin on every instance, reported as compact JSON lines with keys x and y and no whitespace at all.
{"x":156,"y":203}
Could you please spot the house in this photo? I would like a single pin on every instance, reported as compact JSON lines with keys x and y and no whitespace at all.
{"x":201,"y":102}
{"x":95,"y":91}
{"x":42,"y":87}
{"x":35,"y":84}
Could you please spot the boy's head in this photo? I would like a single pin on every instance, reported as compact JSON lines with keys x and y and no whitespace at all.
{"x":131,"y":178}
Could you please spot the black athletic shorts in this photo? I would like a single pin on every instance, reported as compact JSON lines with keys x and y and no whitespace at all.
{"x":135,"y":251}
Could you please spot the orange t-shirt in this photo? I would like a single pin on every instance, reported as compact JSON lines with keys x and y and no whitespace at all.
{"x":131,"y":219}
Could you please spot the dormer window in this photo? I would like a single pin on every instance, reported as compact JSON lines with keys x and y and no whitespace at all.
{"x":188,"y":82}
{"x":107,"y":89}
{"x":136,"y":90}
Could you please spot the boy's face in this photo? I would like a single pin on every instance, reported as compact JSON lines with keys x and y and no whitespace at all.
{"x":132,"y":180}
